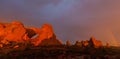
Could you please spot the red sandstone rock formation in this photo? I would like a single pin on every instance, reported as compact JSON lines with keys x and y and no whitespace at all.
{"x":85,"y":43}
{"x":68,"y":43}
{"x":16,"y":32}
{"x":95,"y":43}
{"x":91,"y":43}
{"x":45,"y":32}
{"x":45,"y":36}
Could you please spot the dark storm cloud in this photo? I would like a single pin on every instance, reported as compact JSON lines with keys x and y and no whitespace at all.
{"x":72,"y":19}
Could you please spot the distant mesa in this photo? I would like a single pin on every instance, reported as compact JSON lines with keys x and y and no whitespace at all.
{"x":17,"y":32}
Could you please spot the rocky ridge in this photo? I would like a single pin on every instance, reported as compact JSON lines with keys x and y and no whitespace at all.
{"x":90,"y":43}
{"x":17,"y":32}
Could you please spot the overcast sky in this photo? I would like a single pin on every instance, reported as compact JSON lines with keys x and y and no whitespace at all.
{"x":71,"y":19}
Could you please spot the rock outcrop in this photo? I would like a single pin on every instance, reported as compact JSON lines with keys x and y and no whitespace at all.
{"x":68,"y":43}
{"x":91,"y":43}
{"x":45,"y":32}
{"x":78,"y":43}
{"x":45,"y":36}
{"x":50,"y":41}
{"x":16,"y":32}
{"x":95,"y":43}
{"x":85,"y":43}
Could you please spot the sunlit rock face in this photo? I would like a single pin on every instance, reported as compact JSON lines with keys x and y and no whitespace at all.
{"x":90,"y":43}
{"x":85,"y":43}
{"x":50,"y":41}
{"x":14,"y":31}
{"x":45,"y":36}
{"x":95,"y":43}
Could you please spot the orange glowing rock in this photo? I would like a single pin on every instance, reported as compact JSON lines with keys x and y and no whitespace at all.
{"x":16,"y":32}
{"x":16,"y":46}
{"x":91,"y":43}
{"x":95,"y":43}
{"x":1,"y":45}
{"x":2,"y":30}
{"x":51,"y":41}
{"x":45,"y":34}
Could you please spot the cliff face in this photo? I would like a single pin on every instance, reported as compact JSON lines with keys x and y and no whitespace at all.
{"x":16,"y":32}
